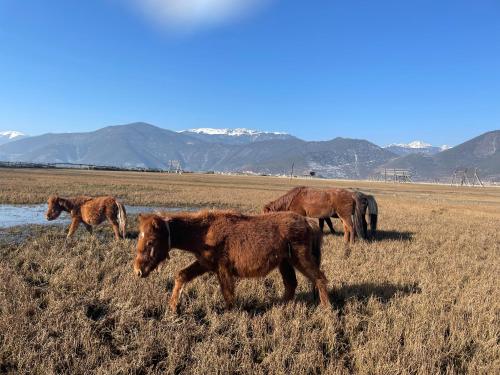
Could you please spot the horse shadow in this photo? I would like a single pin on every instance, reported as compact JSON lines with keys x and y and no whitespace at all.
{"x":337,"y":233}
{"x":382,"y":235}
{"x":132,"y":234}
{"x":361,"y":292}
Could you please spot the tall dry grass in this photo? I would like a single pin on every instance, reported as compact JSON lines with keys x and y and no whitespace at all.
{"x":423,"y":298}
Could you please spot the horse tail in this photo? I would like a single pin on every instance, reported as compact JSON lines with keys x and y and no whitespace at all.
{"x":373,"y":212}
{"x":360,"y":204}
{"x":317,"y":240}
{"x":122,"y":218}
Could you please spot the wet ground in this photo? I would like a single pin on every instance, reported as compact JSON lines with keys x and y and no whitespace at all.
{"x":14,"y":215}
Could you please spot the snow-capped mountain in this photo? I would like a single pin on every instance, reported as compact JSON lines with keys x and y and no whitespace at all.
{"x":414,"y":144}
{"x":145,"y":145}
{"x":10,"y":135}
{"x":415,"y":147}
{"x":234,"y":136}
{"x":225,"y":131}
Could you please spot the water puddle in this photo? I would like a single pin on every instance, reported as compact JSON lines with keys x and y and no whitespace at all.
{"x":13,"y":215}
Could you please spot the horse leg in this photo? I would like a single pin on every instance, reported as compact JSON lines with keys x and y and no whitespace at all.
{"x":73,"y":227}
{"x":365,"y":225}
{"x":321,"y":224}
{"x":226,"y":281}
{"x":184,"y":276}
{"x":310,"y":269}
{"x":330,"y":225}
{"x":346,"y":232}
{"x":289,"y":280}
{"x":348,"y":229}
{"x":116,"y":228}
{"x":88,"y":227}
{"x":352,"y":231}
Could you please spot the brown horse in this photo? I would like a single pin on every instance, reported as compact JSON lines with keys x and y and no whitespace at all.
{"x":233,"y":245}
{"x":89,"y":211}
{"x":349,"y":206}
{"x":367,"y":201}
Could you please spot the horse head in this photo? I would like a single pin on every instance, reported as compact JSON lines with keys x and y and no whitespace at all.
{"x":54,"y":207}
{"x":153,"y":245}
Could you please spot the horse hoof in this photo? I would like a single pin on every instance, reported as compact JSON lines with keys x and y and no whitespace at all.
{"x":174,"y":308}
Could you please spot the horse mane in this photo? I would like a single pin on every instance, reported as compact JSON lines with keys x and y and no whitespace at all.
{"x":71,"y":203}
{"x":66,"y":203}
{"x":283,"y":203}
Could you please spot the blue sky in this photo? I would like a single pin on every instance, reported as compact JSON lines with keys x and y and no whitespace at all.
{"x":386,"y":71}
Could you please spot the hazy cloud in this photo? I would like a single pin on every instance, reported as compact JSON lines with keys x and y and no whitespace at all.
{"x":189,"y":15}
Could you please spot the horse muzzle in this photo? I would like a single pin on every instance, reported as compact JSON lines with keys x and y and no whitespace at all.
{"x":141,"y":273}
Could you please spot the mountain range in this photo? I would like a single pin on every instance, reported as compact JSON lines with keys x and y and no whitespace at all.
{"x":237,"y":136}
{"x":243,"y":150}
{"x":10,"y":135}
{"x":482,"y":152}
{"x":415,"y":147}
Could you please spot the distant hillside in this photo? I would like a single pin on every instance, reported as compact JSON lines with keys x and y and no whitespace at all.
{"x":482,"y":152}
{"x":133,"y":145}
{"x":243,"y":150}
{"x":145,"y":145}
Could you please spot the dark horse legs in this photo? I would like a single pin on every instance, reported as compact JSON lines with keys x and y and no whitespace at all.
{"x":328,"y":222}
{"x":305,"y":263}
{"x":227,"y":285}
{"x":313,"y":273}
{"x":289,"y":280}
{"x":330,"y":225}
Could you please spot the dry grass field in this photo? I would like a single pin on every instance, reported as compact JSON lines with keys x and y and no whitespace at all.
{"x":423,"y":298}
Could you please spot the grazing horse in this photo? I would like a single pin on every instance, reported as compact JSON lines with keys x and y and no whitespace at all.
{"x":326,"y":203}
{"x":89,"y":211}
{"x":233,"y":245}
{"x":369,"y":202}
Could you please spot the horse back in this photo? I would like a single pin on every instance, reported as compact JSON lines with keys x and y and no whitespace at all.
{"x":96,"y":210}
{"x":342,"y":200}
{"x":255,"y":245}
{"x":313,"y":203}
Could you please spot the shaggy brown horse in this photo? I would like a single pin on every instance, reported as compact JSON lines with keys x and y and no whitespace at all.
{"x":89,"y":211}
{"x":233,"y":245}
{"x":349,"y":206}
